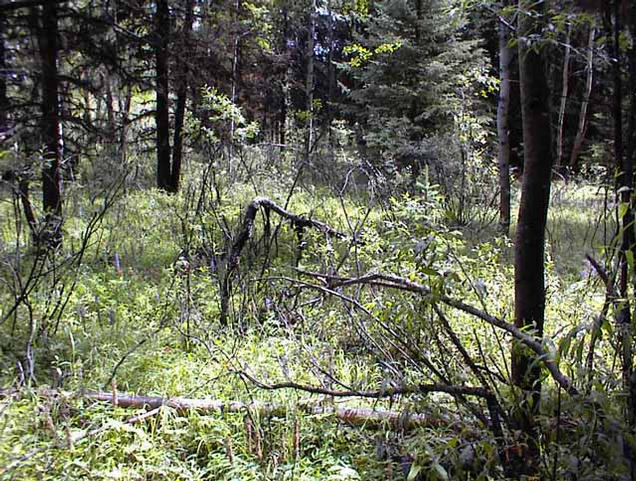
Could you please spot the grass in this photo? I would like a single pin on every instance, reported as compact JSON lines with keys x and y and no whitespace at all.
{"x":134,"y":309}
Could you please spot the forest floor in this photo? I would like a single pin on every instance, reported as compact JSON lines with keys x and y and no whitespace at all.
{"x":141,"y":317}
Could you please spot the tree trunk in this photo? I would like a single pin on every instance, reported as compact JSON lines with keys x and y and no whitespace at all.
{"x":331,"y":78}
{"x":51,"y":173}
{"x":624,"y":188}
{"x":564,"y":97}
{"x":235,"y":76}
{"x":162,"y":114}
{"x":580,"y":133}
{"x":629,"y":161}
{"x":177,"y":145}
{"x":4,"y":102}
{"x":631,"y":141}
{"x":530,"y":236}
{"x":310,"y":80}
{"x":503,"y":127}
{"x":124,"y":111}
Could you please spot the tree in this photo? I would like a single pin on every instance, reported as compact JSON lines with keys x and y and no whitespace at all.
{"x":582,"y":122}
{"x":531,"y":222}
{"x":506,"y":54}
{"x":162,"y":112}
{"x":51,"y":172}
{"x":182,"y":91}
{"x":410,"y":71}
{"x":565,"y":82}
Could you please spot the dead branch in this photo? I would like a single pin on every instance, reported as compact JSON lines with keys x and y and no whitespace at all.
{"x":373,"y":418}
{"x":456,"y":391}
{"x":241,"y":238}
{"x":611,"y":299}
{"x":396,"y":282}
{"x":379,"y":393}
{"x":268,"y":205}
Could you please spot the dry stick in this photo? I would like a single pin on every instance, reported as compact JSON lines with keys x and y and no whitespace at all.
{"x":396,"y":282}
{"x":460,"y":347}
{"x":493,"y":405}
{"x":267,"y":204}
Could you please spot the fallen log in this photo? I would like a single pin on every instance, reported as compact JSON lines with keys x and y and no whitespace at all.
{"x":373,"y":418}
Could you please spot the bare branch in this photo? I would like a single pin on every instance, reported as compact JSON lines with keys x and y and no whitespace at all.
{"x":396,"y":282}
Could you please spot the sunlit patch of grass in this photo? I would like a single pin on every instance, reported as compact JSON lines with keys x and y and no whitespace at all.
{"x":135,"y":315}
{"x":177,"y":446}
{"x":578,"y":224}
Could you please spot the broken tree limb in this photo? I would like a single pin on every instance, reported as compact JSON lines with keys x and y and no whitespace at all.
{"x":377,"y":418}
{"x":241,"y":238}
{"x":453,"y":390}
{"x":611,"y":299}
{"x":401,"y":283}
{"x":268,"y":205}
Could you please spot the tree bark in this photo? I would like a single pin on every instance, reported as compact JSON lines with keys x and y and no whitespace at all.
{"x":530,"y":236}
{"x":564,"y":97}
{"x":631,"y":142}
{"x":582,"y":126}
{"x":624,"y":187}
{"x":235,"y":76}
{"x":162,"y":114}
{"x":503,"y":127}
{"x":285,"y":84}
{"x":51,"y":172}
{"x":177,"y":145}
{"x":309,"y":89}
{"x":4,"y":102}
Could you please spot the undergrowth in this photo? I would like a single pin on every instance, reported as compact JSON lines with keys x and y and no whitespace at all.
{"x":141,"y":316}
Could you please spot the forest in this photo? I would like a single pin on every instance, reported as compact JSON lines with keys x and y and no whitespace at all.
{"x":317,"y":240}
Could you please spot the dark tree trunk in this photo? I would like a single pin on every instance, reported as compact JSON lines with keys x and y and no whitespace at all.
{"x":631,"y":141}
{"x":530,"y":236}
{"x":236,"y":57}
{"x":162,"y":115}
{"x":51,"y":172}
{"x":503,"y":127}
{"x":4,"y":103}
{"x":177,"y":145}
{"x":285,"y":84}
{"x":624,"y":185}
{"x":331,"y":77}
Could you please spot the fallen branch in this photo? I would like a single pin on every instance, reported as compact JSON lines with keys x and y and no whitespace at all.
{"x":396,"y":282}
{"x":352,"y":416}
{"x":611,"y":299}
{"x":480,"y":392}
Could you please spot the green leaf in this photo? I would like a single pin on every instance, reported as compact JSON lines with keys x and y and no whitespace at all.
{"x":415,"y":470}
{"x":440,"y":471}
